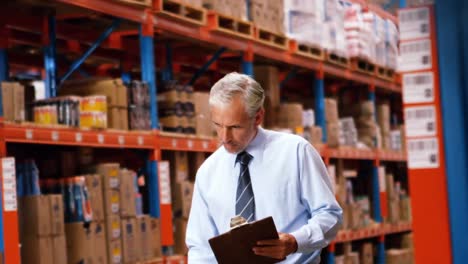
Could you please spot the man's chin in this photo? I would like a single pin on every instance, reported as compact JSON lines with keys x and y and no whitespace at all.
{"x":231,"y":149}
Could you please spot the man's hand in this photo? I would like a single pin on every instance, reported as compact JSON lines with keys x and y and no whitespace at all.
{"x":277,"y":248}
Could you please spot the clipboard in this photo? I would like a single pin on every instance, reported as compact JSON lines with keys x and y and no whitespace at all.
{"x":235,"y":246}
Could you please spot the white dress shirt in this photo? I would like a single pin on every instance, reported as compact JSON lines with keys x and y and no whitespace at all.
{"x":290,"y":183}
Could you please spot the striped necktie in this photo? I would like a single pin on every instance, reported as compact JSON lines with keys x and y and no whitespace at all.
{"x":245,"y":202}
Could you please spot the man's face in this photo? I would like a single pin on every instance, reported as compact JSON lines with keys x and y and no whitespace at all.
{"x":233,"y":125}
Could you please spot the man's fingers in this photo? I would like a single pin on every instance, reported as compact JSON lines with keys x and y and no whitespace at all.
{"x":271,"y":242}
{"x":272,"y":252}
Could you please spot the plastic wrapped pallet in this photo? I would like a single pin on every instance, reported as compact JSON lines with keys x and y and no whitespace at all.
{"x":335,"y":38}
{"x":303,"y":21}
{"x":235,"y":9}
{"x":391,"y":44}
{"x":358,"y":28}
{"x":267,"y":15}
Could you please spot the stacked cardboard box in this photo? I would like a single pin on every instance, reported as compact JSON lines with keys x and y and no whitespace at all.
{"x":203,"y":125}
{"x":110,"y":175}
{"x":383,"y":119}
{"x":399,"y":204}
{"x":139,"y":106}
{"x":42,"y":231}
{"x":267,"y":77}
{"x":350,"y":257}
{"x":130,"y":232}
{"x":366,"y":253}
{"x":115,"y":92}
{"x":333,"y":125}
{"x":267,"y":15}
{"x":304,"y":20}
{"x":176,"y":108}
{"x":290,"y":116}
{"x":367,"y":128}
{"x":348,"y":132}
{"x":359,"y":33}
{"x":335,"y":39}
{"x":235,"y":9}
{"x":13,"y":101}
{"x":399,"y":256}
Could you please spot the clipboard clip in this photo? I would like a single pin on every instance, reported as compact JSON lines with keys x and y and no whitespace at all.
{"x":238,"y":221}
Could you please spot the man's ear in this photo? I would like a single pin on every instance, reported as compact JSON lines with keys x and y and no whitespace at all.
{"x":259,"y":116}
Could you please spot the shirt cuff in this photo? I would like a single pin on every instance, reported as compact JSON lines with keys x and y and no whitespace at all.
{"x":309,"y":238}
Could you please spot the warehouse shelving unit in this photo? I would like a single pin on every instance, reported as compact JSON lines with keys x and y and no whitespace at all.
{"x":206,"y":31}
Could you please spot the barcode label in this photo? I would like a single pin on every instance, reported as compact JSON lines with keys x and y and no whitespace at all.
{"x":414,"y":23}
{"x":415,"y":55}
{"x":420,"y":121}
{"x":418,"y":88}
{"x":423,"y":153}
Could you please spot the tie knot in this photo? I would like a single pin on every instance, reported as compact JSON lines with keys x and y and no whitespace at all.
{"x":244,"y":158}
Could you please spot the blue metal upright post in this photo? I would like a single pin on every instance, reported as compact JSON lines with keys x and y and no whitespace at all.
{"x":247,"y":63}
{"x":453,"y":67}
{"x":377,"y":212}
{"x":319,"y":94}
{"x":381,"y":251}
{"x":50,"y":58}
{"x":205,"y":67}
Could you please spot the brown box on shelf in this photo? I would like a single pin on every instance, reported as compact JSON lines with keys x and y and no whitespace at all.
{"x":110,"y":175}
{"x":316,"y":135}
{"x":405,"y":209}
{"x":352,"y":258}
{"x":114,"y":251}
{"x":56,"y":214}
{"x":143,"y":235}
{"x":117,"y":117}
{"x":398,"y":256}
{"x":178,"y":161}
{"x":37,"y":250}
{"x":383,"y":117}
{"x":113,"y":227}
{"x":172,"y":123}
{"x":182,"y":199}
{"x":366,"y":253}
{"x":331,"y":110}
{"x":111,"y":202}
{"x":34,"y":216}
{"x":179,"y":236}
{"x":204,"y":126}
{"x":155,"y":237}
{"x":333,"y":134}
{"x":393,"y":211}
{"x":99,"y":248}
{"x":13,"y":99}
{"x":390,"y":184}
{"x":59,"y":249}
{"x":267,"y":77}
{"x":114,"y":89}
{"x":94,"y":185}
{"x":79,"y":243}
{"x":407,"y":241}
{"x":339,"y":259}
{"x":129,"y":240}
{"x":290,"y":116}
{"x":127,"y":193}
{"x":201,"y":103}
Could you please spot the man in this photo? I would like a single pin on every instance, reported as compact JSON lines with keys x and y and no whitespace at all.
{"x":258,"y":173}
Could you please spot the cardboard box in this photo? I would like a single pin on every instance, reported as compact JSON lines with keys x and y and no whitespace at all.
{"x":172,"y":123}
{"x":34,"y":216}
{"x":59,"y":249}
{"x":267,"y":77}
{"x":114,"y":252}
{"x":339,"y":259}
{"x":383,"y":117}
{"x":111,"y":202}
{"x":393,"y":211}
{"x":407,"y":241}
{"x":366,"y":253}
{"x":56,"y":214}
{"x":13,"y":99}
{"x":113,"y":227}
{"x":204,"y":126}
{"x":79,"y":243}
{"x":352,"y":258}
{"x":114,"y":89}
{"x":155,"y":238}
{"x":36,"y":250}
{"x":331,"y":110}
{"x":127,"y":193}
{"x":333,"y":134}
{"x":99,"y":246}
{"x":143,"y":229}
{"x":129,"y":240}
{"x":390,"y":184}
{"x":179,"y":236}
{"x":110,"y":175}
{"x":182,"y":199}
{"x":290,"y":116}
{"x":405,"y":209}
{"x":94,"y":185}
{"x":201,"y":103}
{"x":398,"y":256}
{"x":178,"y":161}
{"x":117,"y":117}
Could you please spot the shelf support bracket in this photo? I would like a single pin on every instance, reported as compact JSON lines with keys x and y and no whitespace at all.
{"x":319,"y":92}
{"x":291,"y":74}
{"x":50,"y":56}
{"x":205,"y":67}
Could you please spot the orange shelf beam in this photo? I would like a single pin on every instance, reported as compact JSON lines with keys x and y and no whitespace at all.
{"x":78,"y":137}
{"x":173,"y":141}
{"x":370,"y":232}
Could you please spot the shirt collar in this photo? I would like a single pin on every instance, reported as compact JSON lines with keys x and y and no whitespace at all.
{"x":256,"y":146}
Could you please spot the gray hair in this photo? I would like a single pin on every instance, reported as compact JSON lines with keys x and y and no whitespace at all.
{"x":234,"y":84}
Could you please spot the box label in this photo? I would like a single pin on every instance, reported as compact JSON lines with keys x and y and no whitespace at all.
{"x":420,"y":121}
{"x":414,"y":23}
{"x":415,"y":55}
{"x":423,"y":153}
{"x":164,"y":183}
{"x":9,"y":185}
{"x":418,"y":88}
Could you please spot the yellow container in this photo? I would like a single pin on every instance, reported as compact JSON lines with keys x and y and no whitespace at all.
{"x":46,"y":115}
{"x":93,"y":120}
{"x":94,"y":103}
